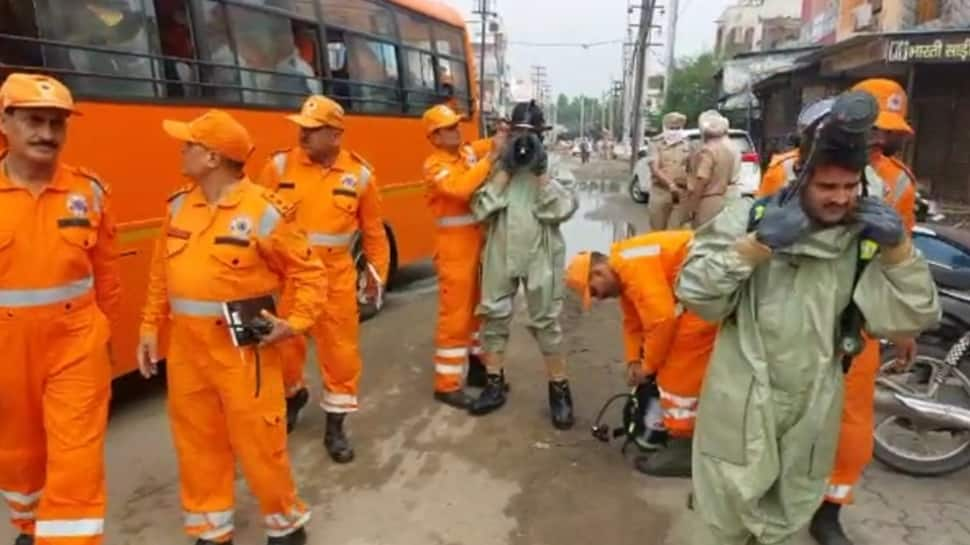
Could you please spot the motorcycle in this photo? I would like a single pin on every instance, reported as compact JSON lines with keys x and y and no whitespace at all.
{"x":923,"y":414}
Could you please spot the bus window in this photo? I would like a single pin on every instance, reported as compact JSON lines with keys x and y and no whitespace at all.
{"x":453,"y":81}
{"x":122,"y":25}
{"x":272,"y":70}
{"x":449,"y":41}
{"x":302,"y":8}
{"x":372,"y":66}
{"x":419,"y":81}
{"x":413,"y":30}
{"x":175,"y":38}
{"x":17,"y":19}
{"x":360,"y":15}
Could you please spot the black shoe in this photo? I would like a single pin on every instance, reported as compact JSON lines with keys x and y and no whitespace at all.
{"x":294,"y":405}
{"x":826,"y":528}
{"x":492,"y":397}
{"x":477,"y":374}
{"x":24,"y":539}
{"x":296,"y":538}
{"x":198,"y":542}
{"x":457,"y":399}
{"x":672,"y":461}
{"x":561,"y":405}
{"x":338,"y":446}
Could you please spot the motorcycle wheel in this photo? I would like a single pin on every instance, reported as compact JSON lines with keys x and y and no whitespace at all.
{"x":905,"y":461}
{"x":636,"y":194}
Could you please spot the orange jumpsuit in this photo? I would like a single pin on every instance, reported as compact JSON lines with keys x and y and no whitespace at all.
{"x":780,"y":169}
{"x":451,"y":179}
{"x":675,"y":344}
{"x":59,"y":285}
{"x":855,"y":436}
{"x":333,"y":204}
{"x":245,"y":246}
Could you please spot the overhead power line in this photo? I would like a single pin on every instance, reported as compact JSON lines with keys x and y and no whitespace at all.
{"x":584,"y":45}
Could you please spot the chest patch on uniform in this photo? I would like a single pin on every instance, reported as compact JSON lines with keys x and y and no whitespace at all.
{"x":77,"y":205}
{"x":241,"y":227}
{"x":349,"y":181}
{"x":345,"y":192}
{"x":74,"y":222}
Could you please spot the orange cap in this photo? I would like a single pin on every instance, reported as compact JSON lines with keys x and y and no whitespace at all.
{"x":440,"y":117}
{"x":319,"y":111}
{"x":217,"y":131}
{"x":577,"y":277}
{"x":893,"y":103}
{"x":21,"y":90}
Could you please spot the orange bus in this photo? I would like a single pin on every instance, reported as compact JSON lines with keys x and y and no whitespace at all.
{"x":133,"y":63}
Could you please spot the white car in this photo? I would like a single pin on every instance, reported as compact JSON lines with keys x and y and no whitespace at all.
{"x":749,"y":177}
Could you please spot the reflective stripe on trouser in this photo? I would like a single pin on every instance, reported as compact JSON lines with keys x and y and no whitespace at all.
{"x":216,"y":420}
{"x":335,"y":335}
{"x":544,"y":302}
{"x":52,"y":436}
{"x":457,"y":263}
{"x":681,"y":376}
{"x":855,"y":435}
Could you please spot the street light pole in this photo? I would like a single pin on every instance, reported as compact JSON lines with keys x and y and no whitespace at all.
{"x":483,"y":12}
{"x":646,"y":20}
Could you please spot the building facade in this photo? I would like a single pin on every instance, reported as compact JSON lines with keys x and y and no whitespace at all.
{"x":758,"y":25}
{"x":498,"y":74}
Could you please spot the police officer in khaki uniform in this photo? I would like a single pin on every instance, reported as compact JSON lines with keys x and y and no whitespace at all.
{"x":712,"y":170}
{"x":669,"y":153}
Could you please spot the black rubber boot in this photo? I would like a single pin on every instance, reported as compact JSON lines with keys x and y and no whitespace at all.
{"x":457,"y":399}
{"x":561,"y":405}
{"x":477,"y":374}
{"x":295,"y":404}
{"x":826,"y":528}
{"x":492,"y":397}
{"x":24,"y":539}
{"x":672,"y":461}
{"x":296,"y":538}
{"x":338,"y":446}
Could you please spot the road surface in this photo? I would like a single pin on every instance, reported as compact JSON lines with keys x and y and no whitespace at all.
{"x":426,"y":474}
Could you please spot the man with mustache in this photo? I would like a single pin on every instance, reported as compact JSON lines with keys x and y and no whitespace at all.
{"x":59,"y":285}
{"x":779,"y":276}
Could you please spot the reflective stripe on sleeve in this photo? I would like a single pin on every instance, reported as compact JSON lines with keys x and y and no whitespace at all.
{"x":280,"y":161}
{"x":365,"y":175}
{"x":98,"y":193}
{"x":640,"y":251}
{"x":457,"y":221}
{"x":329,"y":239}
{"x":192,"y":307}
{"x":176,"y":204}
{"x":678,"y":401}
{"x":270,"y":219}
{"x":451,"y":352}
{"x":443,"y":369}
{"x":19,"y":498}
{"x":46,"y":296}
{"x":838,"y":491}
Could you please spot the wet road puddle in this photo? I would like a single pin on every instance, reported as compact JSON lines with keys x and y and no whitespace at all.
{"x":605,"y":215}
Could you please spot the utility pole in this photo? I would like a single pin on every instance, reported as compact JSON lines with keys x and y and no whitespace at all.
{"x":673,"y":8}
{"x":484,"y":13}
{"x":538,"y":83}
{"x":643,"y":42}
{"x":582,"y":116}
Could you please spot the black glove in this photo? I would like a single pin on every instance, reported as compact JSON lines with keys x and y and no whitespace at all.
{"x":783,"y":224}
{"x":880,"y":223}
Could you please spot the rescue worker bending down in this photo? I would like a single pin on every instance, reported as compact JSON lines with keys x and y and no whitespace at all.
{"x":669,"y":154}
{"x":784,"y":270}
{"x":227,"y":239}
{"x":451,"y":174}
{"x":675,"y":344}
{"x":522,"y":208}
{"x":712,"y":169}
{"x":337,"y":196}
{"x":855,"y":437}
{"x":59,"y":284}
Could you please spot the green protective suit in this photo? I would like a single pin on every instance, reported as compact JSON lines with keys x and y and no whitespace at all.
{"x":769,"y":413}
{"x":523,"y":246}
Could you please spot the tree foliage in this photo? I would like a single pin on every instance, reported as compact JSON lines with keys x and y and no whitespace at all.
{"x":692,"y":87}
{"x":568,"y":113}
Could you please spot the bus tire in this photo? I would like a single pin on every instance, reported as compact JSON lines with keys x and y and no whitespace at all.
{"x":369,"y":309}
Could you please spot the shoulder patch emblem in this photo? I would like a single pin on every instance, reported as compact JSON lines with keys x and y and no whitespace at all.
{"x":349,"y":181}
{"x":77,"y":205}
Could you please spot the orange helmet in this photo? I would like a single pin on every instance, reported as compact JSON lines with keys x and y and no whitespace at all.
{"x":577,"y":277}
{"x":440,"y":117}
{"x":21,"y":90}
{"x":893,"y":103}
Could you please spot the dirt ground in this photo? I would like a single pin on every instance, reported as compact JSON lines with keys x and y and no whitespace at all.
{"x":428,"y":474}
